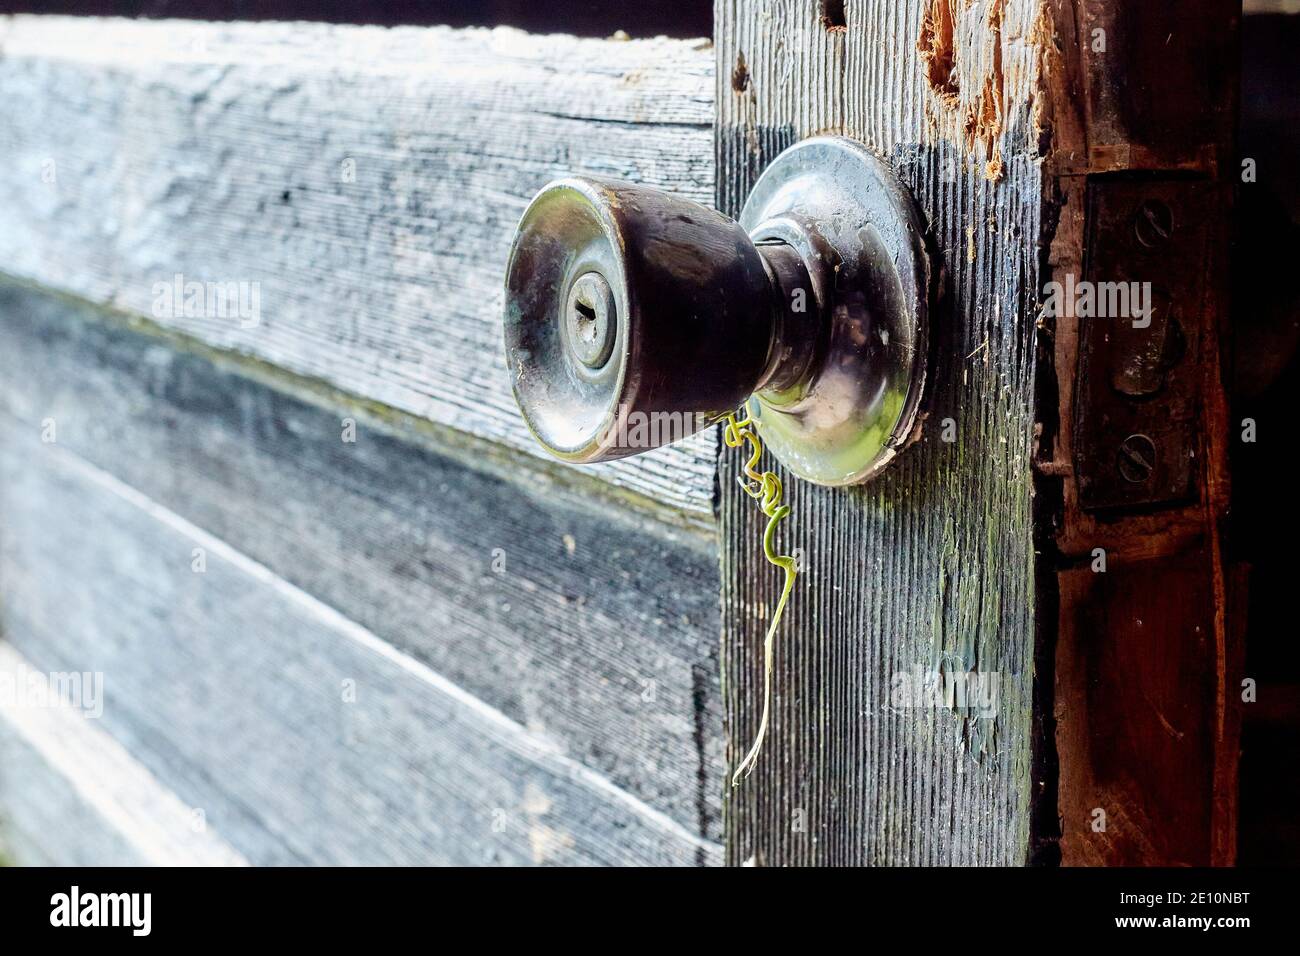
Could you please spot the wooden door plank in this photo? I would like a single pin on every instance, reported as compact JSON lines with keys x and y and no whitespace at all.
{"x":367,"y":181}
{"x":594,"y":629}
{"x":70,"y":795}
{"x":931,"y":566}
{"x":302,"y":736}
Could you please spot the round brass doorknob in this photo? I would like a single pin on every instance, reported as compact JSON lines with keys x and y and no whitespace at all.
{"x":634,"y":318}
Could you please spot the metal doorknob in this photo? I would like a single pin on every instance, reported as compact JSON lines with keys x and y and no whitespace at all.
{"x":634,"y":318}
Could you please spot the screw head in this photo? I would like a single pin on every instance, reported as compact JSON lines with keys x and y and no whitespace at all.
{"x":590,"y":323}
{"x":1136,"y":459}
{"x":1154,"y":223}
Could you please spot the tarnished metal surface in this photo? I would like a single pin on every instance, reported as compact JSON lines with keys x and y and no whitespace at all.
{"x":688,"y":321}
{"x":1139,"y":384}
{"x":862,"y":239}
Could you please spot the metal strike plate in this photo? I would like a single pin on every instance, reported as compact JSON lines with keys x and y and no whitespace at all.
{"x":625,"y":306}
{"x":1137,"y":390}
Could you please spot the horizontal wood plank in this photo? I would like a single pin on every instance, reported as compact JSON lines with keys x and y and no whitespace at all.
{"x":300,"y":735}
{"x":596,"y":630}
{"x":70,"y":795}
{"x":365,"y":182}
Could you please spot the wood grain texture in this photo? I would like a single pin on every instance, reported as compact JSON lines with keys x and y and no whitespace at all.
{"x":70,"y":795}
{"x":302,"y":736}
{"x":1135,"y":692}
{"x":596,"y":630}
{"x":44,"y":819}
{"x":1148,"y":660}
{"x":931,"y":566}
{"x":368,"y":180}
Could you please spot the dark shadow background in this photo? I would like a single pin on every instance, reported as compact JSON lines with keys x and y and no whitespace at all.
{"x":1265,"y":488}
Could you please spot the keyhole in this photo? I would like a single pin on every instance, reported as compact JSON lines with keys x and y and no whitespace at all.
{"x":591,"y":320}
{"x":586,"y":321}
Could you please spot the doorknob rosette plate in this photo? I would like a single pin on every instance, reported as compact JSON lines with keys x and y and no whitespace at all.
{"x":862,"y":240}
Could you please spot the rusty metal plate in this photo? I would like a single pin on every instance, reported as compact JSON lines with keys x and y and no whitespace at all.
{"x":1137,"y":394}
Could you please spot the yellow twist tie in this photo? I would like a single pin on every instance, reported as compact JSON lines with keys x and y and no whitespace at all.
{"x":765,"y":487}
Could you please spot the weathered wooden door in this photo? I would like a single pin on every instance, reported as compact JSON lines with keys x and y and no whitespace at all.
{"x":1014,"y":543}
{"x":261,"y":470}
